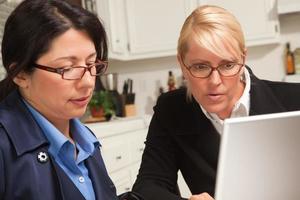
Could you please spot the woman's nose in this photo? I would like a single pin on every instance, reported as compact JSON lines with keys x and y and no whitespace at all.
{"x":87,"y":79}
{"x":215,"y":77}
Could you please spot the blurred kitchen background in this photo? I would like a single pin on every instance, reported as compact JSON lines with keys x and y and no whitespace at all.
{"x":143,"y":36}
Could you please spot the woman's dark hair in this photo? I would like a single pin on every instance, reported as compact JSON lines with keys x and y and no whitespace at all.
{"x":32,"y":26}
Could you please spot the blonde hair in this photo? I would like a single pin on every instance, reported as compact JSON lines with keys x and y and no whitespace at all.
{"x":215,"y":29}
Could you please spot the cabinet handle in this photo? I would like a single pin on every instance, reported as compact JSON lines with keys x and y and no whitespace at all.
{"x":118,"y":157}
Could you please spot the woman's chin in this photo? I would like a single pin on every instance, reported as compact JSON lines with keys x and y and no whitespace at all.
{"x":78,"y":113}
{"x":216,"y":108}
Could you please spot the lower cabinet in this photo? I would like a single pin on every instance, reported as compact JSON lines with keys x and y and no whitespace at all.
{"x":122,"y":147}
{"x":122,"y":155}
{"x":183,"y":188}
{"x":122,"y":180}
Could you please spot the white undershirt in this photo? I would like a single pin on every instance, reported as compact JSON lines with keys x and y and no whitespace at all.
{"x":240,"y":109}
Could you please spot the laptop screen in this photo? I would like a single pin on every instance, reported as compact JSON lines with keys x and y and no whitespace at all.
{"x":260,"y":158}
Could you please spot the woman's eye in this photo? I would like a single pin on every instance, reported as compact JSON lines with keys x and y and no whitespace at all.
{"x":200,"y":67}
{"x":65,"y":66}
{"x":68,"y":69}
{"x":229,"y":65}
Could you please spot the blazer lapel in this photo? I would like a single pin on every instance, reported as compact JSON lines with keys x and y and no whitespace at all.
{"x":103,"y":186}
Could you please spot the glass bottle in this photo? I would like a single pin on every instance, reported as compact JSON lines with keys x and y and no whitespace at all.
{"x":171,"y":81}
{"x":289,"y":60}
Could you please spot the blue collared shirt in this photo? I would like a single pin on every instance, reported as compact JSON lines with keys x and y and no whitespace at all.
{"x":63,"y":151}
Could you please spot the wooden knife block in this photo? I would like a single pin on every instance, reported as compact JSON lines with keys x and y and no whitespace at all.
{"x":130,"y":110}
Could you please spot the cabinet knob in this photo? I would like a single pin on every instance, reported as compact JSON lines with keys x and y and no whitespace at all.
{"x":118,"y":157}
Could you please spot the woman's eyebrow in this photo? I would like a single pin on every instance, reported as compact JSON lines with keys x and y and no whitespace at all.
{"x":74,"y":57}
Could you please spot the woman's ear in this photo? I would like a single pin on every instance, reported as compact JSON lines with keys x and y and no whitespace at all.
{"x":22,"y":79}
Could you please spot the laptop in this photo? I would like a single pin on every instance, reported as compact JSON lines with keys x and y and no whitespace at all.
{"x":260,"y":158}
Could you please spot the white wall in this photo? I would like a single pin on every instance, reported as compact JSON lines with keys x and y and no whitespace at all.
{"x":148,"y":75}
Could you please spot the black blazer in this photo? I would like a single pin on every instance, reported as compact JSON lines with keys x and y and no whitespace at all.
{"x":181,"y":138}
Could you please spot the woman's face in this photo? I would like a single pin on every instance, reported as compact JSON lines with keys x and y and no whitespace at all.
{"x":215,"y":93}
{"x":55,"y":98}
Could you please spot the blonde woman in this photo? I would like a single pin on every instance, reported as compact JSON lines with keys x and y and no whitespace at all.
{"x":185,"y":130}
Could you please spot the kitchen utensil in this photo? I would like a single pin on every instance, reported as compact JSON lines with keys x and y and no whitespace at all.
{"x":130,"y":82}
{"x":125,"y":87}
{"x":110,"y":81}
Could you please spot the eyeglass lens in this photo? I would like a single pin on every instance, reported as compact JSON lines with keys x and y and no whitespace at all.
{"x":78,"y":72}
{"x":224,"y":70}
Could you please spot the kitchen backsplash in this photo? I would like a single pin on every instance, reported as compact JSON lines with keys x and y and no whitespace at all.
{"x":5,"y":10}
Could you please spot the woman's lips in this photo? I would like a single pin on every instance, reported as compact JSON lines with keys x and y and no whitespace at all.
{"x":81,"y":101}
{"x":215,"y":97}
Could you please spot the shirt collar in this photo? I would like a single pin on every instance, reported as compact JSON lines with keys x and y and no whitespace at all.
{"x":81,"y":135}
{"x":241,"y":107}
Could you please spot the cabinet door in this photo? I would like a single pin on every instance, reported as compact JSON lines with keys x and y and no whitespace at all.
{"x":137,"y":145}
{"x":183,"y":188}
{"x":122,"y":182}
{"x":142,"y":28}
{"x":287,"y":6}
{"x":111,"y":13}
{"x":258,"y":18}
{"x":154,"y":26}
{"x":115,"y":152}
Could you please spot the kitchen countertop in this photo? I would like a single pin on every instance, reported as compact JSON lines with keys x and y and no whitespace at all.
{"x":119,"y":125}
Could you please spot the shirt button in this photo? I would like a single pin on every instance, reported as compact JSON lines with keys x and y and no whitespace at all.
{"x":81,"y":179}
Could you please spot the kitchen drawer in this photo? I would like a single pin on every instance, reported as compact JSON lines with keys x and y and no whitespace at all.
{"x":134,"y":170}
{"x":115,"y":152}
{"x":122,"y":181}
{"x":122,"y":146}
{"x":137,"y":144}
{"x":116,"y":127}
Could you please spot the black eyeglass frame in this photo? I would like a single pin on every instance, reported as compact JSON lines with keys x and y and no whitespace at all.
{"x":62,"y":70}
{"x":213,"y":69}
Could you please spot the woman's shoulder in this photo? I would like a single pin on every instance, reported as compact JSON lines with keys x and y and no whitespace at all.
{"x":284,"y":88}
{"x":174,"y":96}
{"x":176,"y":102}
{"x":5,"y":143}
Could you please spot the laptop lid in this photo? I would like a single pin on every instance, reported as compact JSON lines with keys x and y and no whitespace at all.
{"x":260,"y":158}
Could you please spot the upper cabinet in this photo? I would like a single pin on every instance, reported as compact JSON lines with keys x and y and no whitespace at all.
{"x":288,"y":6}
{"x":142,"y":28}
{"x":258,"y":18}
{"x":139,"y":29}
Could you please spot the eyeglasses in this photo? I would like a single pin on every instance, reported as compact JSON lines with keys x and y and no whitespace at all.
{"x":204,"y":71}
{"x":77,"y":72}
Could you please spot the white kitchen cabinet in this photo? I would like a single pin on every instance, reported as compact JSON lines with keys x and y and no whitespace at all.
{"x":259,"y":19}
{"x":295,"y":78}
{"x":142,"y":28}
{"x":122,"y":146}
{"x":122,"y":181}
{"x":288,"y":6}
